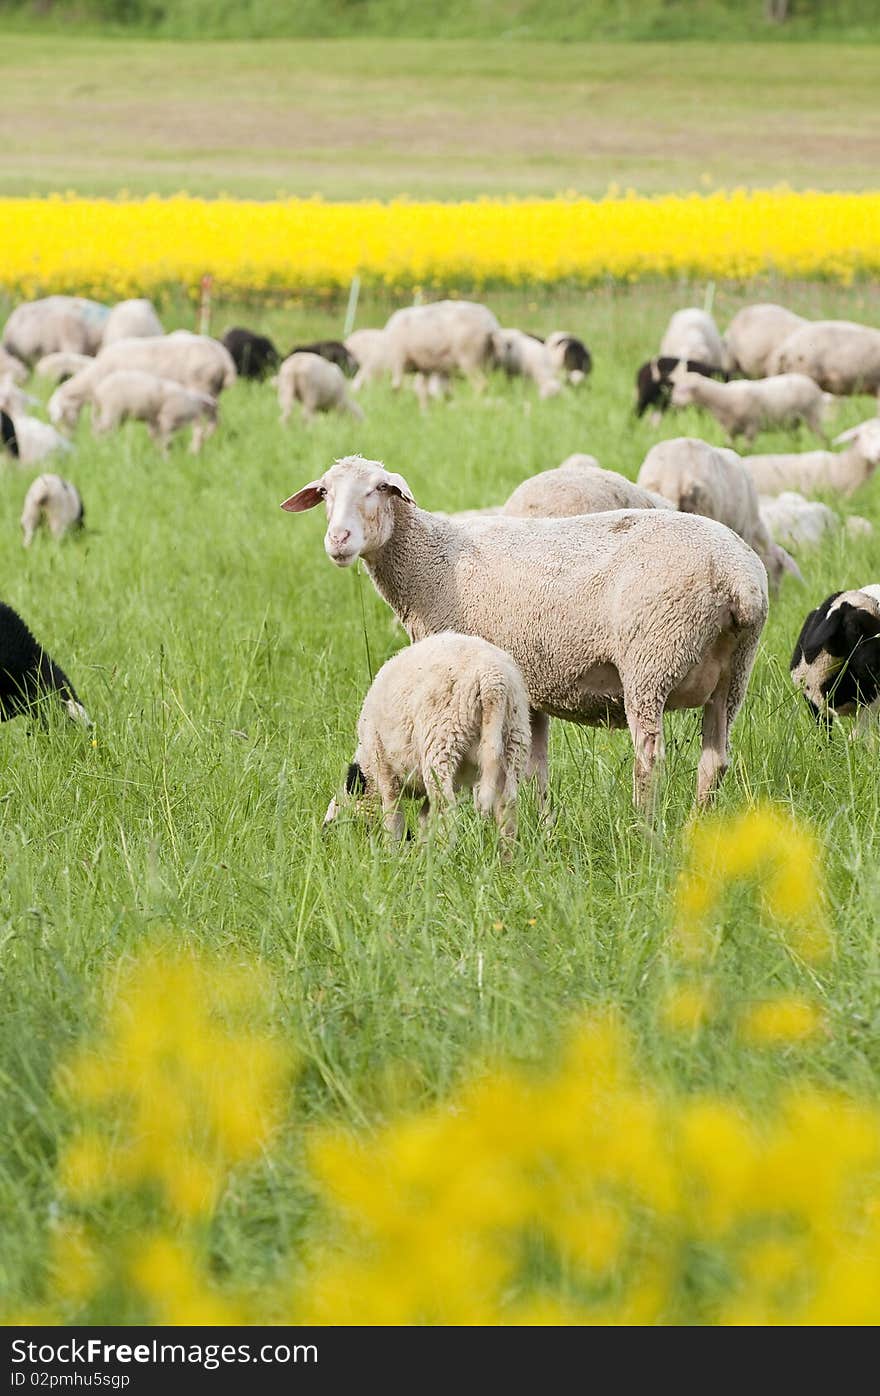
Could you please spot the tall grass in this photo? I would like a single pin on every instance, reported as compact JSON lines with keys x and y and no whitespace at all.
{"x":224,"y":661}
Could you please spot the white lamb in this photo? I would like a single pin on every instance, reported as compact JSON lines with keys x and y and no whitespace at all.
{"x":445,"y":337}
{"x":755,"y":333}
{"x":448,"y":712}
{"x":53,"y":501}
{"x":316,"y":384}
{"x":523,"y":356}
{"x":162,"y":404}
{"x":612,"y":618}
{"x":811,"y":471}
{"x":744,"y":406}
{"x":693,"y":334}
{"x":135,"y":319}
{"x":578,"y":486}
{"x":701,"y":479}
{"x":795,"y":522}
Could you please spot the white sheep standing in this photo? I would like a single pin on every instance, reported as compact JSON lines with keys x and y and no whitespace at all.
{"x":134,"y":319}
{"x":693,"y":334}
{"x":523,"y":356}
{"x":53,"y":501}
{"x":578,"y":486}
{"x":710,"y":480}
{"x":197,"y":361}
{"x":445,"y":337}
{"x":612,"y":618}
{"x":53,"y":324}
{"x":316,"y":384}
{"x":810,"y":471}
{"x":795,"y":522}
{"x":755,"y":333}
{"x":451,"y":711}
{"x":839,"y":355}
{"x":745,"y":405}
{"x":162,"y":404}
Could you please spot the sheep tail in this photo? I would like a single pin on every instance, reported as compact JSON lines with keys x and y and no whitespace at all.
{"x":493,"y":701}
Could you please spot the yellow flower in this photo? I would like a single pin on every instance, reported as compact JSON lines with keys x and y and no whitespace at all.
{"x":783,"y":1019}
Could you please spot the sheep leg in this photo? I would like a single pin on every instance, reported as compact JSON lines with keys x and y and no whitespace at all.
{"x":390,"y":789}
{"x":645,"y":720}
{"x":714,"y":756}
{"x":537,"y":768}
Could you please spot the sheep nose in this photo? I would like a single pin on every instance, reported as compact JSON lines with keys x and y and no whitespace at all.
{"x":340,"y":536}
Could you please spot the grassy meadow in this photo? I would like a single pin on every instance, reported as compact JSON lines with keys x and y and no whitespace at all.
{"x":224,"y":659}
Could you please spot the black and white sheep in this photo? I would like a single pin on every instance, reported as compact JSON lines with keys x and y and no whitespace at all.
{"x":836,"y":661}
{"x":654,"y":381}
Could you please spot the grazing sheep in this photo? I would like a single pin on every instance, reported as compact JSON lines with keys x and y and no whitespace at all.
{"x":709,"y":480}
{"x":315,"y":383}
{"x":449,"y":711}
{"x":578,"y":486}
{"x":59,"y":367}
{"x":836,"y":660}
{"x":135,"y":319}
{"x":56,"y":324}
{"x":52,"y":501}
{"x":333,"y":350}
{"x":809,"y":471}
{"x":755,"y":333}
{"x":28,"y":440}
{"x":795,"y":522}
{"x":12,"y":367}
{"x":28,"y":674}
{"x":654,"y":382}
{"x":522,"y":355}
{"x":254,"y":355}
{"x":744,"y":406}
{"x":840,"y":356}
{"x":569,"y":356}
{"x":612,"y":618}
{"x":446,"y":337}
{"x":162,"y":404}
{"x":197,"y":361}
{"x":693,"y":334}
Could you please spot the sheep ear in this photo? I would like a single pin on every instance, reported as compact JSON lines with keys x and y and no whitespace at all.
{"x":306,"y":498}
{"x":397,"y":485}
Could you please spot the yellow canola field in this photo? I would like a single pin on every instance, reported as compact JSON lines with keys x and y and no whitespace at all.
{"x":112,"y":249}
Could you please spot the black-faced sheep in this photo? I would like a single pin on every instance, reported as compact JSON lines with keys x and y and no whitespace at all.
{"x":654,"y":381}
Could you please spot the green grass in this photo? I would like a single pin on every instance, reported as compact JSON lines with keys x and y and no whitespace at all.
{"x":376,"y":118}
{"x":224,"y":660}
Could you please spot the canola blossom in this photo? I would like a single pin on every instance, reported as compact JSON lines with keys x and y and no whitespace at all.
{"x":118,"y":248}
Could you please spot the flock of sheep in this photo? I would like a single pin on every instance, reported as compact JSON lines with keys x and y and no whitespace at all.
{"x":584,"y":596}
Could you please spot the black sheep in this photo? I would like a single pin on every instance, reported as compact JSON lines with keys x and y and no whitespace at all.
{"x":332,"y":349}
{"x":836,"y":661}
{"x":28,"y":674}
{"x":253,"y":354}
{"x":654,"y":380}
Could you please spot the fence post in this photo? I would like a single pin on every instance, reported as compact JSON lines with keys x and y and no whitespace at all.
{"x":351,"y":310}
{"x":204,"y":323}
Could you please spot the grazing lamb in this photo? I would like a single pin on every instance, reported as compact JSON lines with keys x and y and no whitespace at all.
{"x":578,"y":486}
{"x":522,"y":355}
{"x":569,"y":356}
{"x":755,"y":333}
{"x":693,"y":334}
{"x":836,"y":661}
{"x":333,"y":350}
{"x":135,"y":319}
{"x":28,"y":674}
{"x":59,"y":367}
{"x":809,"y":471}
{"x":840,"y":356}
{"x":795,"y":522}
{"x":29,"y":440}
{"x":56,"y":324}
{"x":254,"y":355}
{"x":52,"y":501}
{"x":12,"y":367}
{"x":315,"y":383}
{"x":744,"y":406}
{"x":449,"y":711}
{"x":162,"y":404}
{"x":197,"y":361}
{"x":612,"y":618}
{"x":698,"y":478}
{"x":655,"y":378}
{"x":446,"y":337}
